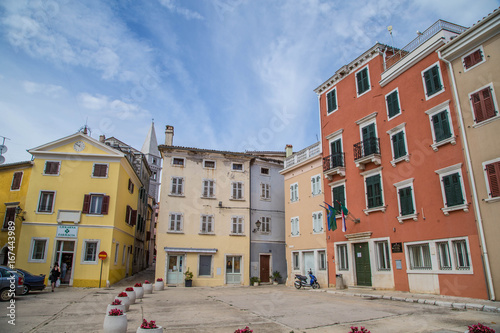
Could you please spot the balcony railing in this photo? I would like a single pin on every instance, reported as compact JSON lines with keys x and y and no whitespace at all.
{"x":303,"y":155}
{"x":335,"y":160}
{"x":366,"y":148}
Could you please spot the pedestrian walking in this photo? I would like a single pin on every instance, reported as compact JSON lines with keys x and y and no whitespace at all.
{"x":54,"y":275}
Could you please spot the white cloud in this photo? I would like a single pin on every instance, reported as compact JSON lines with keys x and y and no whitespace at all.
{"x":188,"y":14}
{"x":49,"y":90}
{"x":115,"y":108}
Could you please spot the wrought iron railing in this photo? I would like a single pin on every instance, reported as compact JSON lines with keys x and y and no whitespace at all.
{"x":332,"y":161}
{"x":366,"y":147}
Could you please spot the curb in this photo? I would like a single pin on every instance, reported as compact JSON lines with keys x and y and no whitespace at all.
{"x":451,"y":305}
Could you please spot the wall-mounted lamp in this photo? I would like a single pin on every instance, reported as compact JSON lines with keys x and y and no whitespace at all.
{"x":220,"y":204}
{"x":257,"y":224}
{"x":20,"y":213}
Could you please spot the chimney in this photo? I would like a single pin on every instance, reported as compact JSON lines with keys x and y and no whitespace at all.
{"x":102,"y":138}
{"x":169,"y":135}
{"x":288,"y":150}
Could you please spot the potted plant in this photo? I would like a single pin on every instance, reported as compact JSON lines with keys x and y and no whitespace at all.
{"x":125,"y":300}
{"x":244,"y":330}
{"x":131,"y":294}
{"x":115,"y":322}
{"x":479,"y":328}
{"x":139,"y":291}
{"x":276,"y":277}
{"x":159,"y":284}
{"x":188,"y":278}
{"x":149,"y":327}
{"x":361,"y":330}
{"x":148,"y":287}
{"x":254,"y":281}
{"x":116,"y":304}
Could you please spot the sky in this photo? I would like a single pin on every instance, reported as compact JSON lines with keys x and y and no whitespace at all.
{"x":227,"y":74}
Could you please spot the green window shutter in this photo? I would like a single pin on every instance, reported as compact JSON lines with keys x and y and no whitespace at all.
{"x":332,"y":100}
{"x":432,"y":81}
{"x":441,"y":125}
{"x":338,"y":195}
{"x":406,"y":201}
{"x":362,"y":81}
{"x":393,"y":104}
{"x":453,"y":190}
{"x":398,"y":145}
{"x":374,"y":191}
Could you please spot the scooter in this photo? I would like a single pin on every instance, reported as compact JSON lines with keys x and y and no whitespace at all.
{"x":301,"y":281}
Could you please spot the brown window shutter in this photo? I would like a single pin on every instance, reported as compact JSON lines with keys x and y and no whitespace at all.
{"x":16,"y":181}
{"x":127,"y":215}
{"x":476,"y":57}
{"x":54,"y":168}
{"x":468,"y":61}
{"x":478,"y":108}
{"x":10,"y":215}
{"x":134,"y":217}
{"x":489,"y":108}
{"x":105,"y":205}
{"x":132,"y":191}
{"x":493,"y":173}
{"x":86,"y":204}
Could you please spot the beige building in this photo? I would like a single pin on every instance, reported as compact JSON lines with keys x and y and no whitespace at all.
{"x":473,"y":60}
{"x":304,"y":218}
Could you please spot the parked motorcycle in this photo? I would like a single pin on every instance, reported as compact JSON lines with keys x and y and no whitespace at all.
{"x":301,"y":281}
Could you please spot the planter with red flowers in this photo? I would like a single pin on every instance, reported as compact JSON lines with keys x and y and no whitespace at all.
{"x":116,"y":304}
{"x":115,"y":322}
{"x":125,"y":300}
{"x":149,"y":327}
{"x":159,"y":284}
{"x":139,"y":291}
{"x":148,"y":287}
{"x":131,"y":294}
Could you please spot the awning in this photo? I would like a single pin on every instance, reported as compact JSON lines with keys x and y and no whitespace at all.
{"x":189,"y":250}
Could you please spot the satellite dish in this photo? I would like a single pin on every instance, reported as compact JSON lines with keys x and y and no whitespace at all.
{"x":2,"y":159}
{"x":3,"y":149}
{"x":389,"y":28}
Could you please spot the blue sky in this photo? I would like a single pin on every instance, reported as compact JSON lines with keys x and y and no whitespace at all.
{"x":228,"y":75}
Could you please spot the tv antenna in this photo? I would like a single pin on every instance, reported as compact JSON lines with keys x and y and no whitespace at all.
{"x":3,"y":149}
{"x":389,"y":28}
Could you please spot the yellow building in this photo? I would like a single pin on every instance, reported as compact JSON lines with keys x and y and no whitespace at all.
{"x":82,"y":199}
{"x":305,"y":219}
{"x":14,"y":180}
{"x":473,"y":60}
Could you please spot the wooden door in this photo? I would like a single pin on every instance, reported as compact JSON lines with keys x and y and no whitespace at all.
{"x":363,"y":269}
{"x":264,"y":267}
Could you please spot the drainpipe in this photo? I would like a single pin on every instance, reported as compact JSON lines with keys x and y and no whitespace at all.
{"x":473,"y":181}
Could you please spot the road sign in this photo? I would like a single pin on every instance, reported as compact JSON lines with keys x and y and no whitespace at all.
{"x":103,"y":255}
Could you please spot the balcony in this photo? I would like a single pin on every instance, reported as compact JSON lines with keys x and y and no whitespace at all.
{"x":367,"y":151}
{"x":334,"y":164}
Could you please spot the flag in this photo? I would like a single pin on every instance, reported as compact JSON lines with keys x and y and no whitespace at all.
{"x":345,"y":212}
{"x":332,"y":223}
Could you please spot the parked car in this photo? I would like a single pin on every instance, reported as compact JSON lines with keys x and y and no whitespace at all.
{"x":31,"y":281}
{"x":5,"y":283}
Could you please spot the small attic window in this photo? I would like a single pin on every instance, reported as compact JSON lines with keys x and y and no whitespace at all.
{"x":264,"y":171}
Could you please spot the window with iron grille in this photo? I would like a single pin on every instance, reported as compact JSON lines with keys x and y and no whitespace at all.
{"x":483,"y":104}
{"x":374,"y":191}
{"x":493,"y":178}
{"x":177,"y":186}
{"x":331,"y":98}
{"x":237,"y":225}
{"x":420,"y":257}
{"x":296,"y":261}
{"x":237,"y":190}
{"x":208,"y":188}
{"x":383,"y":256}
{"x":51,"y":168}
{"x":473,"y":59}
{"x":266,"y":224}
{"x":100,"y":170}
{"x":46,"y":202}
{"x":16,"y":180}
{"x":362,"y":81}
{"x":393,"y":108}
{"x":461,"y":254}
{"x":265,"y":191}
{"x":322,"y":260}
{"x":175,"y":224}
{"x":453,"y":189}
{"x":342,"y":259}
{"x":432,"y":80}
{"x":207,"y":224}
{"x":444,"y":255}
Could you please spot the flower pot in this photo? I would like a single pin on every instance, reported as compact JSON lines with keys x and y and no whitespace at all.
{"x":275,"y":283}
{"x":188,"y":283}
{"x":159,"y":329}
{"x":125,"y":301}
{"x":255,"y":284}
{"x":131,"y":295}
{"x":115,"y":324}
{"x":159,"y":285}
{"x":139,"y":292}
{"x":119,"y":307}
{"x":148,"y":288}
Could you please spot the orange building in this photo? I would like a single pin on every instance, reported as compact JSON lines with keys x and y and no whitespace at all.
{"x":392,"y":156}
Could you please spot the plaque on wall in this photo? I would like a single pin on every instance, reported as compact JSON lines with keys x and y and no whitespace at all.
{"x":397,"y":247}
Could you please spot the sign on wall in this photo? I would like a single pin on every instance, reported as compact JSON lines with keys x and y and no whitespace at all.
{"x":67,"y":231}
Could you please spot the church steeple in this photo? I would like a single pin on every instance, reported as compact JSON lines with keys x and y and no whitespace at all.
{"x":150,"y":150}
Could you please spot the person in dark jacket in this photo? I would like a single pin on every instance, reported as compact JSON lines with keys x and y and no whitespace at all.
{"x":54,"y":275}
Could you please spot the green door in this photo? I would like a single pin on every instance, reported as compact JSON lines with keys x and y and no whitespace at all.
{"x":369,"y":140}
{"x":362,"y":259}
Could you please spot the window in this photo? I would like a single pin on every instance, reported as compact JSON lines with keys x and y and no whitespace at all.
{"x":362,"y":81}
{"x":208,"y":164}
{"x":51,"y":168}
{"x":322,"y":260}
{"x":338,"y":197}
{"x":46,"y":202}
{"x":461,"y":254}
{"x":90,"y":251}
{"x":205,"y":265}
{"x":473,"y":59}
{"x":100,"y":170}
{"x":16,"y":181}
{"x":316,"y":185}
{"x":493,"y":179}
{"x":266,"y":224}
{"x":296,"y":261}
{"x":294,"y":192}
{"x":432,"y":80}
{"x":237,"y":190}
{"x":177,"y":187}
{"x":374,"y":191}
{"x":383,"y":257}
{"x":208,"y":188}
{"x":237,"y":225}
{"x":130,"y":186}
{"x":237,"y":166}
{"x":444,"y":255}
{"x":178,"y":161}
{"x":10,"y":215}
{"x":38,"y":249}
{"x":441,"y":125}
{"x":265,"y":191}
{"x":393,"y":108}
{"x":117,"y":249}
{"x":406,"y":202}
{"x":331,"y":101}
{"x":420,"y":256}
{"x":342,"y":259}
{"x":317,"y":218}
{"x":452,"y":188}
{"x":264,"y":171}
{"x":483,"y":104}
{"x":207,"y":224}
{"x":175,"y":224}
{"x":130,"y":216}
{"x":295,"y":226}
{"x":398,"y":145}
{"x":95,"y":204}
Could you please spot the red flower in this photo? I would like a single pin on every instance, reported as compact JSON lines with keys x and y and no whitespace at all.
{"x":138,"y":284}
{"x":146,"y":282}
{"x":129,"y":289}
{"x":116,"y":302}
{"x":159,"y":280}
{"x":115,"y":312}
{"x":122,"y":294}
{"x":148,"y":325}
